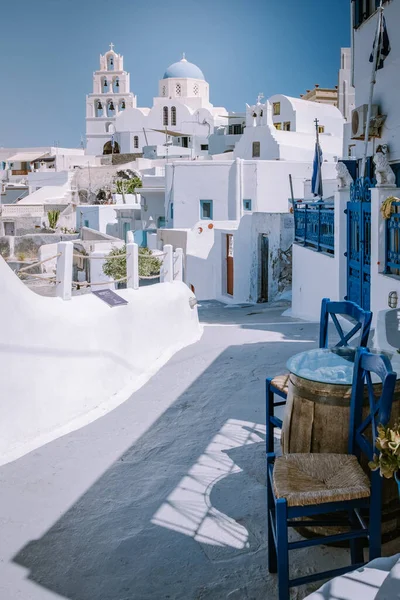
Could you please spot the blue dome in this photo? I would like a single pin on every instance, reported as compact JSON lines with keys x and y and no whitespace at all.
{"x":182,"y":70}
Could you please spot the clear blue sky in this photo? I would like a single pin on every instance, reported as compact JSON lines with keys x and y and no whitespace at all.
{"x":50,"y":49}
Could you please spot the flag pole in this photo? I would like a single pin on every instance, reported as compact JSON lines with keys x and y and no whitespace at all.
{"x":371,"y":89}
{"x":319,"y":158}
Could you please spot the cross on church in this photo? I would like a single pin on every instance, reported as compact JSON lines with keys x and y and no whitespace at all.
{"x":111,"y":46}
{"x":260,"y":97}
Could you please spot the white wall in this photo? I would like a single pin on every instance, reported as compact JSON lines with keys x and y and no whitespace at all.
{"x":346,"y":91}
{"x":315,"y":276}
{"x":387,"y":85}
{"x":103,"y":218}
{"x":228,"y":183}
{"x":189,"y":182}
{"x":39,"y":179}
{"x":204,"y":259}
{"x":69,"y":362}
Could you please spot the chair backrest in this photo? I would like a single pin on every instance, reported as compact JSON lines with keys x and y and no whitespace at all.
{"x":363,"y":430}
{"x":362,"y":317}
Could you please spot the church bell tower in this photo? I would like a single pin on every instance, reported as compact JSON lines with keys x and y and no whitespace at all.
{"x":111,"y":95}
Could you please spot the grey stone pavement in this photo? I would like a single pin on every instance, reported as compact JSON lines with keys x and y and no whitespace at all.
{"x":164,"y":497}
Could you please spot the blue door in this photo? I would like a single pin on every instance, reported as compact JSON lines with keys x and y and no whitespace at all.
{"x":359,"y":253}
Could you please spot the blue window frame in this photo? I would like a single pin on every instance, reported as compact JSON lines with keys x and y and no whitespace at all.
{"x":171,"y":210}
{"x":206,"y":209}
{"x":247,"y":204}
{"x":86,"y":223}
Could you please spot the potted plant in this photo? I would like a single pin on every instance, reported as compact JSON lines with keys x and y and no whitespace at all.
{"x":126,"y":183}
{"x":388,"y":459}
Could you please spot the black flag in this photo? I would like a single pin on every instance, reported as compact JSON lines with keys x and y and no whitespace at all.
{"x":383,"y":46}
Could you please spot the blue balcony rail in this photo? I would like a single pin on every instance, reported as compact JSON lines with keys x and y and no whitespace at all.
{"x":392,"y":266}
{"x":314,"y":225}
{"x":360,"y":189}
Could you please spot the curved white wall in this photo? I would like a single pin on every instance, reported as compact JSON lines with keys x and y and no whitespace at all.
{"x":63,"y":364}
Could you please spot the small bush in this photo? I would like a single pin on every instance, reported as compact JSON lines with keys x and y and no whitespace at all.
{"x":116,"y":267}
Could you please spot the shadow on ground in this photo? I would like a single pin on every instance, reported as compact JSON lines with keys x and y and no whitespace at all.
{"x":181,"y":515}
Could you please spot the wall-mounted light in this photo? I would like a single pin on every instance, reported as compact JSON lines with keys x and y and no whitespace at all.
{"x":392,"y":299}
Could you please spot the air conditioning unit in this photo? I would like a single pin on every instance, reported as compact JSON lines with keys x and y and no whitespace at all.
{"x":359,"y":120}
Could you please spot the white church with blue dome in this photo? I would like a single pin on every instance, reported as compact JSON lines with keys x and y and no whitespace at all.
{"x":181,"y":113}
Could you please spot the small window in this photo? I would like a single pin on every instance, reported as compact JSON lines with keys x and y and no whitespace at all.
{"x":278,"y":126}
{"x":196,"y":89}
{"x":171,"y":210}
{"x":286,"y":126}
{"x":165,"y":115}
{"x":86,"y":223}
{"x":161,"y":222}
{"x":246,"y":204}
{"x":178,"y":89}
{"x":173,"y":115}
{"x":321,"y":129}
{"x":236,"y":129}
{"x":136,"y":141}
{"x":203,"y":147}
{"x":256,"y":149}
{"x":206,"y":209}
{"x":164,"y":90}
{"x":276,"y":107}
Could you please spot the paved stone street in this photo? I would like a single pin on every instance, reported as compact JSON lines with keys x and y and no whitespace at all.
{"x":164,"y":497}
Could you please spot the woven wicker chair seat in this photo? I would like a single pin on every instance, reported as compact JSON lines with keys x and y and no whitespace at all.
{"x":305,"y":479}
{"x":281,"y":382}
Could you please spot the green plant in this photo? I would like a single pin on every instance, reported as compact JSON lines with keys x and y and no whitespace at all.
{"x":53,"y":216}
{"x":116,"y":267}
{"x":21,"y":256}
{"x":133,"y":184}
{"x":126,"y":182}
{"x":388,"y":444}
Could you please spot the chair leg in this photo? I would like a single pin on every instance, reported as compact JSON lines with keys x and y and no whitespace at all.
{"x":272,"y":556}
{"x":375,"y":511}
{"x":356,"y":546}
{"x":269,"y":411}
{"x":282,"y":549}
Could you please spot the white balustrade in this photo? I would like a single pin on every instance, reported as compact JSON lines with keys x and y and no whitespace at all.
{"x":20,"y":210}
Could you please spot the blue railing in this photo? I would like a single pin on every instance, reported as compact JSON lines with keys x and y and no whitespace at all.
{"x":360,"y":189}
{"x":314,"y":225}
{"x":392,"y":265}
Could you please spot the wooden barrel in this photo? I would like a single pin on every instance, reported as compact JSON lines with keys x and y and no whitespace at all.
{"x":317,"y":420}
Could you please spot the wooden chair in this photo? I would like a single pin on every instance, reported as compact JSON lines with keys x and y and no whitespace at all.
{"x":304,"y":485}
{"x":279,"y":385}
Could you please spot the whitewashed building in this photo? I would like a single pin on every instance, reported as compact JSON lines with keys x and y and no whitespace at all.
{"x":361,"y":257}
{"x":181,"y":112}
{"x":232,"y":216}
